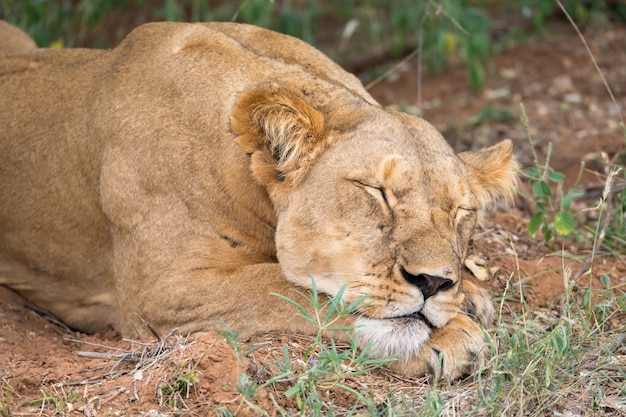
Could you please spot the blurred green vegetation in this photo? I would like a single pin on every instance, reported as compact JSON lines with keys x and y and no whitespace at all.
{"x":457,"y":31}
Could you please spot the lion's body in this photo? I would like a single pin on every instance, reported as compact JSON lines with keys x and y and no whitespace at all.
{"x":161,"y":179}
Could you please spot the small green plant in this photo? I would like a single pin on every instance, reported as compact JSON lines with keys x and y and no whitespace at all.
{"x":175,"y":391}
{"x":62,"y":403}
{"x":439,"y":32}
{"x":180,"y":384}
{"x":552,"y":209}
{"x":450,"y":31}
{"x":56,"y":23}
{"x":327,"y":311}
{"x":552,"y":216}
{"x":322,"y":367}
{"x":491,"y":113}
{"x":6,"y":394}
{"x":582,"y":11}
{"x":549,"y":359}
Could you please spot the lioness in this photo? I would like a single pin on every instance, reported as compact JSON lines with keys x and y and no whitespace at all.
{"x":186,"y":175}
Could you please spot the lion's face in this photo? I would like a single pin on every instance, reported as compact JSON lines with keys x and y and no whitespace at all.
{"x":388,"y":210}
{"x":384,"y":206}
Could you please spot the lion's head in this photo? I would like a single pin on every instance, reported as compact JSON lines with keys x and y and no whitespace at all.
{"x":373,"y":198}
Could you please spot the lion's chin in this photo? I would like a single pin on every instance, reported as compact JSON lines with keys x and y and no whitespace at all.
{"x":418,"y":315}
{"x":400,"y":337}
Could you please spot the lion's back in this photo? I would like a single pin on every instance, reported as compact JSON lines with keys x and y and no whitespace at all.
{"x":290,"y":50}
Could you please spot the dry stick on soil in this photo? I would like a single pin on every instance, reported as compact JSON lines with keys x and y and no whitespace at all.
{"x":145,"y":359}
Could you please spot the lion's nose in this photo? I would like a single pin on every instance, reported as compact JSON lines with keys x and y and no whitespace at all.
{"x":429,"y":285}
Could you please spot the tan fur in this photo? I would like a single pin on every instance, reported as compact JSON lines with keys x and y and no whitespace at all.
{"x":14,"y":39}
{"x":195,"y":169}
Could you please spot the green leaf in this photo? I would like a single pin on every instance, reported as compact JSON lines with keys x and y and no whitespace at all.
{"x":483,"y":115}
{"x":548,"y":373}
{"x":476,"y":74}
{"x":335,"y":304}
{"x":533,"y":172}
{"x":574,"y":192}
{"x":555,"y":176}
{"x":566,"y":202}
{"x":359,"y":303}
{"x":535,"y":222}
{"x":339,"y":328}
{"x":547,"y":231}
{"x":587,"y":300}
{"x":541,"y":189}
{"x":540,"y":207}
{"x":564,"y":223}
{"x":303,"y":311}
{"x":491,"y":112}
{"x":559,"y":340}
{"x":296,"y":389}
{"x":504,"y":114}
{"x":605,"y":280}
{"x":314,"y":294}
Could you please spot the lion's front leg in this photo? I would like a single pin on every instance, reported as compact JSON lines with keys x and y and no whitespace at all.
{"x":202,"y":299}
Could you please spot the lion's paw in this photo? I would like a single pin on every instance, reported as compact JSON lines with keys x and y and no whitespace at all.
{"x":454,"y":351}
{"x":451,"y":352}
{"x":477,"y":303}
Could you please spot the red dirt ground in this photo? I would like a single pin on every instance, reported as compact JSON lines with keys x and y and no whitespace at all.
{"x":567,"y":104}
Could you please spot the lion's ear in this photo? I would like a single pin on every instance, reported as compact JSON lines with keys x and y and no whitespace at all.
{"x":280,"y":130}
{"x":492,"y":173}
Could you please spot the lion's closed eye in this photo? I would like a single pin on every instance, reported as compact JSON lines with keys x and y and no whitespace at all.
{"x":384,"y":196}
{"x":465,"y":210}
{"x":463,"y":213}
